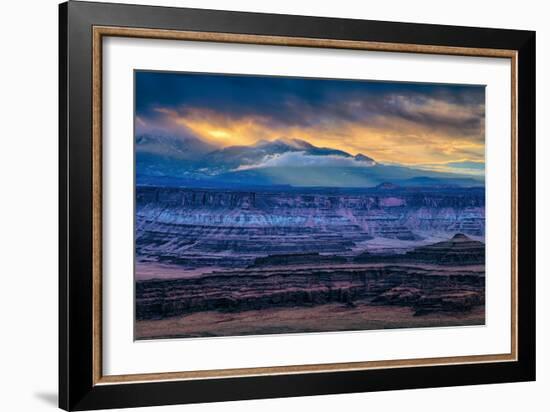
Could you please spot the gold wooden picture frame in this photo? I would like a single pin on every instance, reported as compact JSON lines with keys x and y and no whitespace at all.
{"x":100,"y":32}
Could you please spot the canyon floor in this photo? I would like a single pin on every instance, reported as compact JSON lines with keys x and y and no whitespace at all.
{"x":327,"y":318}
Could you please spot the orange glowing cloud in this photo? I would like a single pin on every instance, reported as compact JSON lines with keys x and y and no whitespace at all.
{"x":388,"y":139}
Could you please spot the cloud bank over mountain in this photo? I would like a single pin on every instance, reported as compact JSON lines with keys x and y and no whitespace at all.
{"x":283,"y":162}
{"x":304,"y":160}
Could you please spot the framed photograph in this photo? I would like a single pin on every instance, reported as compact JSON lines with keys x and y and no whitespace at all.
{"x":257,"y":205}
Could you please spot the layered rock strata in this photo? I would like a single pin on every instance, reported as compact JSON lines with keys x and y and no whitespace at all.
{"x":425,"y":288}
{"x":207,"y":227}
{"x":459,"y":250}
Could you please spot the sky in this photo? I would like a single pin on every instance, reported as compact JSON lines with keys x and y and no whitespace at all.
{"x":436,"y":127}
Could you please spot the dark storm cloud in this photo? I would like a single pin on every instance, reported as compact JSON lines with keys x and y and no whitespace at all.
{"x":282,"y":101}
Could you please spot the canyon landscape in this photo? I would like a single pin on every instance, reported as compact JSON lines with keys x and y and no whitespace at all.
{"x":239,"y":231}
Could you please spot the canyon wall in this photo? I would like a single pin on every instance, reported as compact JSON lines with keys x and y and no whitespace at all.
{"x":195,"y":227}
{"x":424,"y":288}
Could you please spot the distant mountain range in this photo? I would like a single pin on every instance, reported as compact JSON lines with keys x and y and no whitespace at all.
{"x":191,"y":162}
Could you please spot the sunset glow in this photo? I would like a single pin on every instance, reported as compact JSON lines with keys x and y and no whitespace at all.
{"x":409,"y":124}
